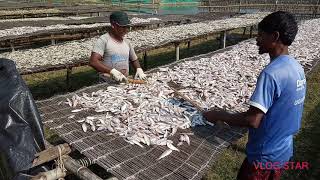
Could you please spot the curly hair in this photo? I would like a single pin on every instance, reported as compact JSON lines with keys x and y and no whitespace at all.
{"x":282,"y":22}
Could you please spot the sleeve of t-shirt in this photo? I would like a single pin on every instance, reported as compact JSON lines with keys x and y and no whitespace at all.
{"x":132,"y":53}
{"x":99,"y":46}
{"x":265,"y":93}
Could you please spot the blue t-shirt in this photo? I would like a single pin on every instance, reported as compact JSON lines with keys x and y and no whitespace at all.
{"x":280,"y":93}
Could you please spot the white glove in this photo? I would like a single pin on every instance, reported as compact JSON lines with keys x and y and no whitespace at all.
{"x":140,"y":74}
{"x":117,"y":76}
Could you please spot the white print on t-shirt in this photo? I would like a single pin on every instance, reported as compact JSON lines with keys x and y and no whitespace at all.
{"x":299,"y":101}
{"x":301,"y":84}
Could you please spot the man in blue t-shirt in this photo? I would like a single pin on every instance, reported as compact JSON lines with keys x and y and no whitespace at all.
{"x":276,"y":105}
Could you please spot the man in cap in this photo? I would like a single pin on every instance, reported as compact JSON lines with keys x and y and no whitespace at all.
{"x":112,"y":52}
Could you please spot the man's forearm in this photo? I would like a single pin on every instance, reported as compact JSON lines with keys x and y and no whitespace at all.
{"x":236,"y":119}
{"x":136,"y":64}
{"x":100,"y":67}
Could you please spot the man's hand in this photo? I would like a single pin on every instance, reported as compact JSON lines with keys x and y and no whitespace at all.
{"x":208,"y":115}
{"x":118,"y":76}
{"x":140,"y":74}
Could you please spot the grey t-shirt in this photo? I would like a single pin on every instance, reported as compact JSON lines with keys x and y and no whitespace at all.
{"x":115,"y":54}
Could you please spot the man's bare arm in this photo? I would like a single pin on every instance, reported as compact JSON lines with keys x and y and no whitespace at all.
{"x":136,"y":64}
{"x":252,"y":118}
{"x":96,"y":63}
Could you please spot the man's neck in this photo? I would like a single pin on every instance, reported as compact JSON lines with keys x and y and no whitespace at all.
{"x":116,"y":37}
{"x":280,"y":50}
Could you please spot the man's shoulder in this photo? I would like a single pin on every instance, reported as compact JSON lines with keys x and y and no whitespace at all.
{"x":104,"y":37}
{"x":127,"y":41}
{"x":281,"y":64}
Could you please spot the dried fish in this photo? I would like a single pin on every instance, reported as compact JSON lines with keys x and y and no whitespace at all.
{"x":76,"y":110}
{"x":186,"y":138}
{"x":170,"y":146}
{"x":84,"y":127}
{"x":164,"y":154}
{"x":31,"y":11}
{"x":75,"y":50}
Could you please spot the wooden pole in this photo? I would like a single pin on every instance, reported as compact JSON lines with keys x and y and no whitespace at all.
{"x":177,"y":51}
{"x":223,"y":39}
{"x":145,"y":58}
{"x":316,"y":9}
{"x":81,"y":171}
{"x":50,"y":154}
{"x":69,"y":71}
{"x":244,"y":31}
{"x":53,"y":41}
{"x":251,"y":29}
{"x":12,"y":46}
{"x":74,"y":167}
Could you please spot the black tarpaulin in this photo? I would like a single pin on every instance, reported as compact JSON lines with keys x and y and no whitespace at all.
{"x":21,"y":131}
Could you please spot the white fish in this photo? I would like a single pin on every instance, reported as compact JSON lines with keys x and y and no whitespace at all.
{"x":164,"y":154}
{"x":137,"y":143}
{"x":81,"y":120}
{"x":108,"y":126}
{"x":93,"y":128}
{"x":75,"y":103}
{"x":76,"y":110}
{"x":186,"y":138}
{"x":69,"y":102}
{"x":171,"y":146}
{"x":162,"y":142}
{"x":90,"y":117}
{"x":101,"y":128}
{"x":174,"y":130}
{"x":84,"y":127}
{"x":166,"y":134}
{"x":182,"y":138}
{"x":180,"y":143}
{"x":147,"y":139}
{"x":123,"y":108}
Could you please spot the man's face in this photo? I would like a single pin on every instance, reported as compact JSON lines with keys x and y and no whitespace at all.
{"x":265,"y":42}
{"x":120,"y":30}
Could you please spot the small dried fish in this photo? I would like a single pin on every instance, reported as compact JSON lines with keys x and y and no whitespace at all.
{"x":186,"y":138}
{"x":170,"y":146}
{"x":76,"y":110}
{"x":164,"y":154}
{"x":84,"y":127}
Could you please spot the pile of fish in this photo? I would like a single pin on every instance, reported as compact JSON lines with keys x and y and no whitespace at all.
{"x":45,"y":19}
{"x":143,"y":115}
{"x":225,"y":80}
{"x":75,"y":50}
{"x":151,"y":38}
{"x":33,"y":11}
{"x":306,"y":44}
{"x":136,"y":20}
{"x":33,"y":29}
{"x":258,"y":15}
